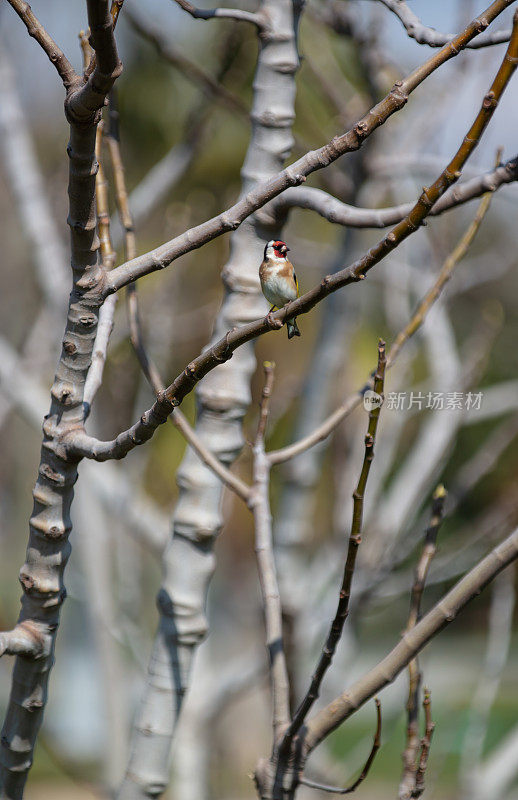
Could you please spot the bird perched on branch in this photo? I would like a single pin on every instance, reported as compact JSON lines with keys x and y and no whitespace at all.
{"x":278,"y":280}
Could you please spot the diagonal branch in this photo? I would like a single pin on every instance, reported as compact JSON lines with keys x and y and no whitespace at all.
{"x":340,"y":213}
{"x":35,"y":29}
{"x":328,"y":425}
{"x":412,"y":642}
{"x":296,"y":173}
{"x":433,"y":38}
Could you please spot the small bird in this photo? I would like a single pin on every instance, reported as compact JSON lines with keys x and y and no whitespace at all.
{"x":278,"y":280}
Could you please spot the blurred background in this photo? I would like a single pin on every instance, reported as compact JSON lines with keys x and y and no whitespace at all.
{"x":170,"y":115}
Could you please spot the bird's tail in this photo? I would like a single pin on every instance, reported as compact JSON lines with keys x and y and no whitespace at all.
{"x":293,"y":328}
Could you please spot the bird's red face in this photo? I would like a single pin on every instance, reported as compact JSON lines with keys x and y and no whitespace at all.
{"x":280,"y":249}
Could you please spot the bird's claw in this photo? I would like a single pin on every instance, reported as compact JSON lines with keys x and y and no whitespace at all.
{"x":273,"y":323}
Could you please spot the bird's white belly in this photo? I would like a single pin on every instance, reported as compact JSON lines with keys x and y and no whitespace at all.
{"x":278,"y":291}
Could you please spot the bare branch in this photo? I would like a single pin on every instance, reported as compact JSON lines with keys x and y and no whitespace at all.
{"x":408,"y":783}
{"x":264,"y":406}
{"x":297,"y":172}
{"x":222,"y":13}
{"x":222,"y":401}
{"x":433,"y":38}
{"x":342,"y":611}
{"x":260,"y":505}
{"x":36,"y":30}
{"x":425,"y":745}
{"x":343,"y":214}
{"x":412,"y":642}
{"x":365,"y":771}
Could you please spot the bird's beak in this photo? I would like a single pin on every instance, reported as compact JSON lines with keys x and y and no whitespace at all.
{"x":285,"y":249}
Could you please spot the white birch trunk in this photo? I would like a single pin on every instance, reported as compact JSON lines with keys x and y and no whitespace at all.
{"x":223,"y":398}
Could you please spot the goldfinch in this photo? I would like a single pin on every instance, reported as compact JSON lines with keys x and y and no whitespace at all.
{"x":278,"y":280}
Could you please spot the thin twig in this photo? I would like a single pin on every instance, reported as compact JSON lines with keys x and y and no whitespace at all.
{"x":85,"y":49}
{"x":260,"y":505}
{"x":335,"y":631}
{"x":412,"y":642}
{"x":365,"y":771}
{"x":425,"y":745}
{"x":408,"y":781}
{"x":103,"y":211}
